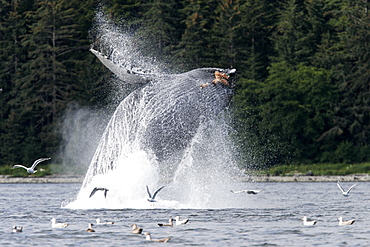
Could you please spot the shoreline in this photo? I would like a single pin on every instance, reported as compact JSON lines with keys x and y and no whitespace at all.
{"x":6,"y":179}
{"x":56,"y":179}
{"x":302,"y":178}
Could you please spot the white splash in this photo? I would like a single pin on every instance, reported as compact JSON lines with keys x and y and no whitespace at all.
{"x":199,"y":176}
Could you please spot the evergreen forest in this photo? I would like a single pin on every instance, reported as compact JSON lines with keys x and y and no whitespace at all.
{"x":303,"y":90}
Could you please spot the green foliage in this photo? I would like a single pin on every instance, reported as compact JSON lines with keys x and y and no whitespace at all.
{"x":44,"y":53}
{"x":225,"y":27}
{"x":198,"y":20}
{"x":317,"y":169}
{"x":287,"y":113}
{"x":303,"y":93}
{"x":253,"y":42}
{"x":158,"y":37}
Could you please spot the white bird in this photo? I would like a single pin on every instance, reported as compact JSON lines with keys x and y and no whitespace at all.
{"x":254,"y":192}
{"x":136,"y":229}
{"x":345,"y":193}
{"x":347,"y":222}
{"x":98,"y":222}
{"x":170,"y":223}
{"x":181,"y":222}
{"x":17,"y":229}
{"x":58,"y":225}
{"x":90,"y":229}
{"x":32,"y":170}
{"x":151,"y":198}
{"x":308,"y":223}
{"x":148,"y":237}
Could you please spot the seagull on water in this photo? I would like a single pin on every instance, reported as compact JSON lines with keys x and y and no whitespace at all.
{"x":151,"y":198}
{"x":90,"y":229}
{"x":347,"y":222}
{"x":345,"y":193}
{"x":308,"y":223}
{"x":96,"y":189}
{"x":54,"y":224}
{"x":181,"y":222}
{"x":254,"y":192}
{"x":136,"y":229}
{"x":17,"y":229}
{"x":32,"y":170}
{"x":98,"y":222}
{"x":148,"y":237}
{"x":170,"y":223}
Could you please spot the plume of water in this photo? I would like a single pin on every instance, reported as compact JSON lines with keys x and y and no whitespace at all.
{"x":169,"y":132}
{"x":119,"y":45}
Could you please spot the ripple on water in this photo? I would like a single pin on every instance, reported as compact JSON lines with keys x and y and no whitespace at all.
{"x":271,"y":225}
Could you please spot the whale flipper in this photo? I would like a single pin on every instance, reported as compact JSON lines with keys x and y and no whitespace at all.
{"x":128,"y":75}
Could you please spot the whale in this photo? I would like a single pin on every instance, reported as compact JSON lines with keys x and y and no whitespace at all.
{"x":162,"y":116}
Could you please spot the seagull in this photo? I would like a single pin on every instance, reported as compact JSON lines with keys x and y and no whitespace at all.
{"x":32,"y":170}
{"x":90,"y":229}
{"x":181,"y":222}
{"x":254,"y":192}
{"x":170,"y":223}
{"x":98,"y":222}
{"x":151,"y":198}
{"x":17,"y":229}
{"x":58,"y":225}
{"x":148,"y":237}
{"x":136,"y":229}
{"x":96,"y":189}
{"x":347,"y":222}
{"x":345,"y":193}
{"x":308,"y":223}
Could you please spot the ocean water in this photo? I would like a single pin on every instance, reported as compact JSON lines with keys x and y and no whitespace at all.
{"x":270,"y":218}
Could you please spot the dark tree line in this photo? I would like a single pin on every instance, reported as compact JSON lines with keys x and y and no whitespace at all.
{"x":303,"y":92}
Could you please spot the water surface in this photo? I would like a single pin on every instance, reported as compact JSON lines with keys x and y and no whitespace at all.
{"x":271,"y":218}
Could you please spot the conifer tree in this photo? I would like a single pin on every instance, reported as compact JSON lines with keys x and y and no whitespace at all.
{"x":46,"y":87}
{"x":193,"y":49}
{"x":291,"y":37}
{"x":223,"y":37}
{"x":254,"y":34}
{"x":346,"y":51}
{"x":13,"y":25}
{"x":160,"y":29}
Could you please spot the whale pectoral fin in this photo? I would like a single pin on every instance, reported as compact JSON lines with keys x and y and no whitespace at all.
{"x":122,"y":73}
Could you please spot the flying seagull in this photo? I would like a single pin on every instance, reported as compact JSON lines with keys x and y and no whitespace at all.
{"x":254,"y":192}
{"x":345,"y":193}
{"x":151,"y":198}
{"x":96,"y":189}
{"x":32,"y":170}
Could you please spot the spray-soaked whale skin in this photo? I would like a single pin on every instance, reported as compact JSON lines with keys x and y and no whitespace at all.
{"x":162,"y":117}
{"x":183,"y":105}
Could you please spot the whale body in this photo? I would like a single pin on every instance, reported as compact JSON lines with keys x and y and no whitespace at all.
{"x":161,"y":117}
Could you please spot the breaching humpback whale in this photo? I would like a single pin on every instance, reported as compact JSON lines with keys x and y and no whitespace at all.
{"x":162,"y":116}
